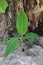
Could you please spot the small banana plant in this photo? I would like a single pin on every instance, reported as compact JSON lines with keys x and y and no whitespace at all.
{"x":22,"y":27}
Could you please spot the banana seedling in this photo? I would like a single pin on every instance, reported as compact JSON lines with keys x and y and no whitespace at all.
{"x":22,"y":27}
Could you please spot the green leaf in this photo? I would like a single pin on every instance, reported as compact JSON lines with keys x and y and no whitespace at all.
{"x":31,"y":37}
{"x":22,"y":23}
{"x":12,"y":44}
{"x":3,"y":6}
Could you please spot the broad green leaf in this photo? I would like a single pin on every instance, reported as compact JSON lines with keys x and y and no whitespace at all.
{"x":12,"y":44}
{"x":3,"y":6}
{"x":31,"y":37}
{"x":22,"y":23}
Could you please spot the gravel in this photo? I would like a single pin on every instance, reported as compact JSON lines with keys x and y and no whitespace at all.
{"x":32,"y":56}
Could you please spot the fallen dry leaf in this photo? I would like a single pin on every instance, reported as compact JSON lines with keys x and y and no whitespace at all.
{"x":37,"y":11}
{"x":42,"y":8}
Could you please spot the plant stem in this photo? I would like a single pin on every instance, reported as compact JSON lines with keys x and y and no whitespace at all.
{"x":21,"y":39}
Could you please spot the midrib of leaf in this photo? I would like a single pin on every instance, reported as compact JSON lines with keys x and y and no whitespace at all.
{"x":22,"y":23}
